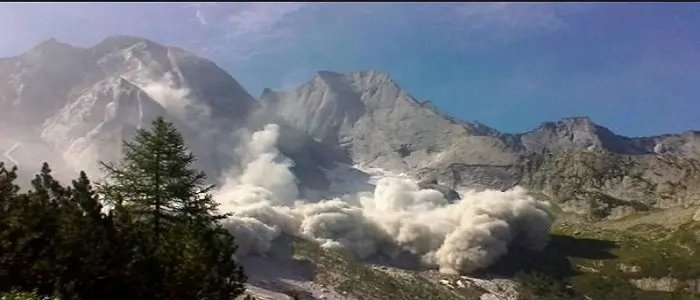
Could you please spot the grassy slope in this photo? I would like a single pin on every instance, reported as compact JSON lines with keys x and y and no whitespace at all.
{"x":20,"y":296}
{"x":586,"y":259}
{"x":583,"y":261}
{"x":342,"y":274}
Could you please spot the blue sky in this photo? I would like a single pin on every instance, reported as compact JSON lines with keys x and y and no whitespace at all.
{"x":632,"y":67}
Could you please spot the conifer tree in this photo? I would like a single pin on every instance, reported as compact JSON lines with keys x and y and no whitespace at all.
{"x":190,"y":256}
{"x":155,"y":179}
{"x":84,"y":250}
{"x":160,"y":240}
{"x":8,"y":196}
{"x":8,"y":189}
{"x":45,"y":200}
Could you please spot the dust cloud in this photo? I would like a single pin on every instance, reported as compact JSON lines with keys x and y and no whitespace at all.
{"x":459,"y":237}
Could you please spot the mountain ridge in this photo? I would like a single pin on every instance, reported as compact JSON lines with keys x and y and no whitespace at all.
{"x":128,"y":40}
{"x":37,"y":85}
{"x":619,"y":202}
{"x":586,"y":120}
{"x":362,"y":117}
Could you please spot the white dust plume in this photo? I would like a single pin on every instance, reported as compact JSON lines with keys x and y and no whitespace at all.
{"x":176,"y":99}
{"x":398,"y":217}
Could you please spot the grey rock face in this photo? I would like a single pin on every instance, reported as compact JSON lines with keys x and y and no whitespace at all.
{"x":78,"y":103}
{"x":378,"y":124}
{"x":583,"y":166}
{"x":36,"y":84}
{"x":83,"y":101}
{"x":91,"y":127}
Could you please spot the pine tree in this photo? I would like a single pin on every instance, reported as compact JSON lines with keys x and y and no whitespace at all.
{"x":29,"y":235}
{"x":155,"y":179}
{"x":86,"y":198}
{"x":84,"y":248}
{"x":8,"y":196}
{"x":8,"y":189}
{"x":55,"y":240}
{"x":47,"y":197}
{"x":190,"y":256}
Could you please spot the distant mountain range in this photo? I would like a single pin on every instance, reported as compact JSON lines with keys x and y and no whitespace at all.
{"x":72,"y":106}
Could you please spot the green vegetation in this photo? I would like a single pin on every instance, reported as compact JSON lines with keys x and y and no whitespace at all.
{"x":14,"y":295}
{"x":585,"y":261}
{"x":156,"y":237}
{"x":341,"y":273}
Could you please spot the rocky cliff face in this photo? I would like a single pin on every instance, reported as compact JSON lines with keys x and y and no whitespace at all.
{"x":82,"y":102}
{"x":380,"y":125}
{"x":584,"y":167}
{"x":91,"y":127}
{"x":588,"y":169}
{"x":78,"y":103}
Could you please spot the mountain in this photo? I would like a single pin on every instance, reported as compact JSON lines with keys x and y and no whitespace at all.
{"x":584,"y":167}
{"x":73,"y":106}
{"x":82,"y":102}
{"x":379,"y":124}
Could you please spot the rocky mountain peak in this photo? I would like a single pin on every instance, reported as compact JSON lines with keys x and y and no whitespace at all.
{"x":175,"y":78}
{"x":371,"y":77}
{"x":51,"y":52}
{"x":123,"y":41}
{"x":265,"y":92}
{"x":583,"y":120}
{"x":53,"y":45}
{"x":118,"y":42}
{"x":572,"y":132}
{"x":81,"y":99}
{"x":568,"y":124}
{"x":329,"y":75}
{"x":378,"y":123}
{"x":359,"y":81}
